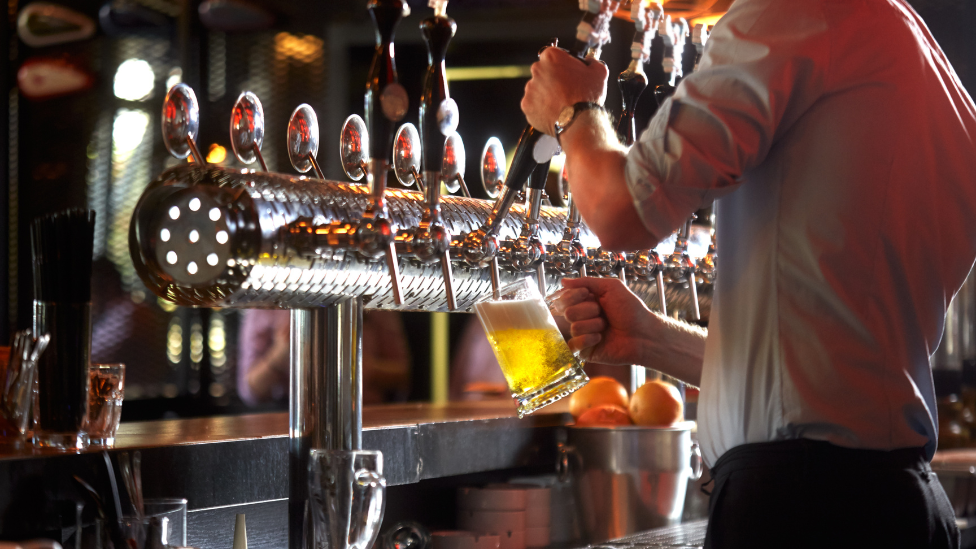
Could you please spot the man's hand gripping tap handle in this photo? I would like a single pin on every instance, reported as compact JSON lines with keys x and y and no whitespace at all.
{"x":537,"y":146}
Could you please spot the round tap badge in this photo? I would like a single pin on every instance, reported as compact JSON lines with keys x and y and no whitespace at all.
{"x":394,"y":101}
{"x":447,"y":116}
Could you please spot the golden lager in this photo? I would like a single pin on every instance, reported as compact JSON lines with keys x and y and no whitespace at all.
{"x":534,"y":357}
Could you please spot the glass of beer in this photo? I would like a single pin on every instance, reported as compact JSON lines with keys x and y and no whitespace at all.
{"x":535,"y":359}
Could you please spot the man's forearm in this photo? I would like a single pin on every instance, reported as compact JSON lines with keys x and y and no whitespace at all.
{"x":595,"y":165}
{"x":676,"y":349}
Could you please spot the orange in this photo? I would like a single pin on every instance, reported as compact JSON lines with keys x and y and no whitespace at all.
{"x":604,"y":415}
{"x":656,"y":404}
{"x":600,"y":390}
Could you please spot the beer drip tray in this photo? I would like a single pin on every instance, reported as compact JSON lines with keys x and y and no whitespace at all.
{"x":687,"y":535}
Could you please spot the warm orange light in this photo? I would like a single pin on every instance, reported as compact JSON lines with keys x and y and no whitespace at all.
{"x":707,"y":20}
{"x":216,"y":154}
{"x":302,"y":48}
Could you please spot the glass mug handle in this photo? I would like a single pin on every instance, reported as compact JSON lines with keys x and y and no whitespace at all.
{"x":371,"y":493}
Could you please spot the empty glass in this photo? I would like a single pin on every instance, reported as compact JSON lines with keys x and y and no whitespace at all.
{"x":163,"y":525}
{"x":16,"y":383}
{"x":105,"y":402}
{"x":535,"y":359}
{"x":347,"y":496}
{"x":173,"y":509}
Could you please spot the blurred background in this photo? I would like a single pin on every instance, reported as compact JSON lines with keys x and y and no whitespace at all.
{"x":82,"y":130}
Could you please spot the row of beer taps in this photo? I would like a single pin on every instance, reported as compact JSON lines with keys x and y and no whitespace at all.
{"x":434,"y":156}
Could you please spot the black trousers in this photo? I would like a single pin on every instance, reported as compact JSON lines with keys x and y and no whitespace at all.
{"x":805,"y":493}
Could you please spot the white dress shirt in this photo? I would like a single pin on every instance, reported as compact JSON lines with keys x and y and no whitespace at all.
{"x":840,"y":145}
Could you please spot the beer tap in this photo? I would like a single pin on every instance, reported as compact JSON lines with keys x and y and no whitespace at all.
{"x":303,"y":140}
{"x":607,"y":264}
{"x":647,"y":264}
{"x":699,"y":36}
{"x":633,"y":80}
{"x":431,"y":240}
{"x":535,"y":147}
{"x":372,"y":236}
{"x":674,"y":35}
{"x":680,"y":268}
{"x":706,"y":267}
{"x":527,"y":253}
{"x":386,"y":104}
{"x":247,"y":129}
{"x":569,"y":256}
{"x":181,"y":123}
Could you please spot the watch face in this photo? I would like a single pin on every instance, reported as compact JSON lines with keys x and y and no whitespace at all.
{"x":565,"y":116}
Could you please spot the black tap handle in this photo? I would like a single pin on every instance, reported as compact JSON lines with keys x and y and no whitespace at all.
{"x":523,"y":161}
{"x":631,"y":85}
{"x":539,"y":176}
{"x":438,"y":113}
{"x":597,"y":27}
{"x":689,"y":58}
{"x":386,"y":101}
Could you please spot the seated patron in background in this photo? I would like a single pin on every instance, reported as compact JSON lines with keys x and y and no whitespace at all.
{"x":262,"y":371}
{"x":840,"y":148}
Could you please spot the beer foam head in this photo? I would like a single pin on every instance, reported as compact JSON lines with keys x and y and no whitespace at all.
{"x":516,"y":314}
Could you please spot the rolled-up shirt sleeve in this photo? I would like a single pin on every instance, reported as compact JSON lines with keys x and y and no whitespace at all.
{"x":764,"y":65}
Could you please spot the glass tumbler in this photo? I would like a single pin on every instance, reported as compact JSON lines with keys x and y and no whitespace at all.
{"x":535,"y":359}
{"x":347,"y":497}
{"x":104,"y":403}
{"x":162,"y":525}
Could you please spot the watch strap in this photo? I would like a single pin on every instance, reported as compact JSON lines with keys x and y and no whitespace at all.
{"x":577,"y":109}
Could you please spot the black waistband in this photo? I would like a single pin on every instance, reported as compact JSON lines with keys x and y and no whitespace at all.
{"x":815,"y":455}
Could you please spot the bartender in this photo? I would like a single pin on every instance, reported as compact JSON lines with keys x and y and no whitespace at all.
{"x":838,"y":144}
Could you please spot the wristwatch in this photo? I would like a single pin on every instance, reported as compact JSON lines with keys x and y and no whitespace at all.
{"x":568,"y":115}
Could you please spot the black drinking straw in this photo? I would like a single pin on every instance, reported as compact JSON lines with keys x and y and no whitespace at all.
{"x":62,"y":245}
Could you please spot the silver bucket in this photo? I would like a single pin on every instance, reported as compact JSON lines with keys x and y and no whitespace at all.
{"x":630,"y":479}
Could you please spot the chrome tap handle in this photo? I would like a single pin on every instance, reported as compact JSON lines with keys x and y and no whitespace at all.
{"x":661,"y":296}
{"x":181,"y":123}
{"x":247,"y":129}
{"x":540,"y":275}
{"x":681,"y":269}
{"x":386,"y":100}
{"x":393,"y":264}
{"x":693,"y":288}
{"x":448,"y":279}
{"x":464,"y":186}
{"x":496,"y":282}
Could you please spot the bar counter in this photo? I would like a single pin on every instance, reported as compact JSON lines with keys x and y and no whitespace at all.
{"x":239,"y":464}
